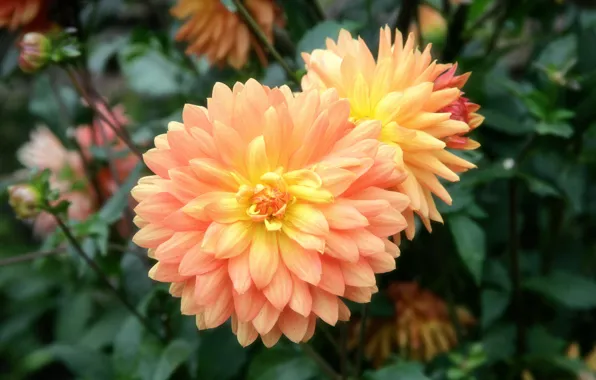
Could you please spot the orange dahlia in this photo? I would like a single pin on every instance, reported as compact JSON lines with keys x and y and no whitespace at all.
{"x":213,"y":30}
{"x":266,"y":207}
{"x":30,"y":14}
{"x":398,"y":89}
{"x":420,"y":328}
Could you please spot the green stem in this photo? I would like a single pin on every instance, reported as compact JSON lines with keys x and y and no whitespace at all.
{"x":361,"y":337}
{"x":329,"y":371}
{"x":260,"y":35}
{"x":514,"y":270}
{"x":91,"y":99}
{"x":102,"y":276}
{"x":29,"y":257}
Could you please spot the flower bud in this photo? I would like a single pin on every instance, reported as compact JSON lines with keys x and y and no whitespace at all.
{"x":35,"y":52}
{"x":25,"y":200}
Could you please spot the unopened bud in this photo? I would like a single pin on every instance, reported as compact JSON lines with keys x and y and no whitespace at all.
{"x":25,"y":200}
{"x":35,"y":52}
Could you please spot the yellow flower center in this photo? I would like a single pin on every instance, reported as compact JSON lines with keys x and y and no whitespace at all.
{"x":268,"y":200}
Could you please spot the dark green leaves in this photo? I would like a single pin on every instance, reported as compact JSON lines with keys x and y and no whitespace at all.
{"x":112,"y":210}
{"x":570,"y":290}
{"x":410,"y":371}
{"x":176,"y":353}
{"x":285,"y":362}
{"x":470,"y":243}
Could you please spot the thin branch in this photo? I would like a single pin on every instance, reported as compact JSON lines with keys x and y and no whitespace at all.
{"x":455,"y":41}
{"x":515,"y":271}
{"x":407,"y":14}
{"x":90,"y":99}
{"x":317,"y":9}
{"x":320,"y":361}
{"x":361,"y":338}
{"x":30,"y":256}
{"x":343,"y":346}
{"x":103,"y":277}
{"x":260,"y":35}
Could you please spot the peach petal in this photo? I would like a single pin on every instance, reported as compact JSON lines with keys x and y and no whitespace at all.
{"x":293,"y":325}
{"x":279,"y":290}
{"x":304,"y":264}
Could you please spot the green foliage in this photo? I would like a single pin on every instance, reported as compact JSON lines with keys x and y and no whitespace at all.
{"x":520,"y":227}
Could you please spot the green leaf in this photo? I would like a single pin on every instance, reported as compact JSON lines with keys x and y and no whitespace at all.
{"x":284,"y":362}
{"x":73,"y":317}
{"x":136,"y":282}
{"x":502,"y":122}
{"x":172,"y":357}
{"x":470,"y":243}
{"x":554,"y":129}
{"x":44,"y":105}
{"x":494,"y":304}
{"x":83,"y":362}
{"x":570,"y":290}
{"x":152,"y":73}
{"x":126,"y":346}
{"x":410,"y":371}
{"x":114,"y":207}
{"x":541,"y":187}
{"x":541,"y":342}
{"x":315,"y":38}
{"x":221,"y":356}
{"x":558,"y":52}
{"x":498,"y":342}
{"x":102,"y":49}
{"x":104,"y":330}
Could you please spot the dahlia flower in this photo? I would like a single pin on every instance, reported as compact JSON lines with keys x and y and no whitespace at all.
{"x":213,"y":30}
{"x":398,"y":89}
{"x":30,"y":14}
{"x":45,"y":151}
{"x":266,"y":207}
{"x":420,"y":329}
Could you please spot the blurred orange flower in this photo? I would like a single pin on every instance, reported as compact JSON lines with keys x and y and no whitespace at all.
{"x":251,"y":220}
{"x":432,"y":24}
{"x":28,"y":14}
{"x":45,"y":151}
{"x":419,"y":330}
{"x":213,"y":30}
{"x":398,"y":89}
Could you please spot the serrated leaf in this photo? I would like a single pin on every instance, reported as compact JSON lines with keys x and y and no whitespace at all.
{"x":222,"y":356}
{"x":410,"y":371}
{"x":73,"y":317}
{"x":470,"y":243}
{"x":284,"y":362}
{"x":126,"y":346}
{"x":172,"y":357}
{"x":83,"y":362}
{"x":570,"y":290}
{"x":114,"y":207}
{"x":494,"y":304}
{"x":554,"y":129}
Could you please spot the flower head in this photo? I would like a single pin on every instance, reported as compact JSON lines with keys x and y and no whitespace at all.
{"x":266,"y":207}
{"x":31,"y":14}
{"x":420,"y":329}
{"x":213,"y":30}
{"x":45,"y":151}
{"x":398,"y":89}
{"x":35,"y":51}
{"x":25,"y":201}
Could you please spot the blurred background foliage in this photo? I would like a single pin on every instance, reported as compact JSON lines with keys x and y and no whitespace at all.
{"x":517,"y":249}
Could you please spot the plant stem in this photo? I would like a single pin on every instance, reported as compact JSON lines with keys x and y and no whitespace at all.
{"x":455,"y":42}
{"x":329,"y":371}
{"x":318,"y":10}
{"x":361,"y":337}
{"x":343,"y":346}
{"x":407,"y":14}
{"x":29,"y":257}
{"x":514,"y":269}
{"x":260,"y":35}
{"x":102,"y":276}
{"x":90,"y":99}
